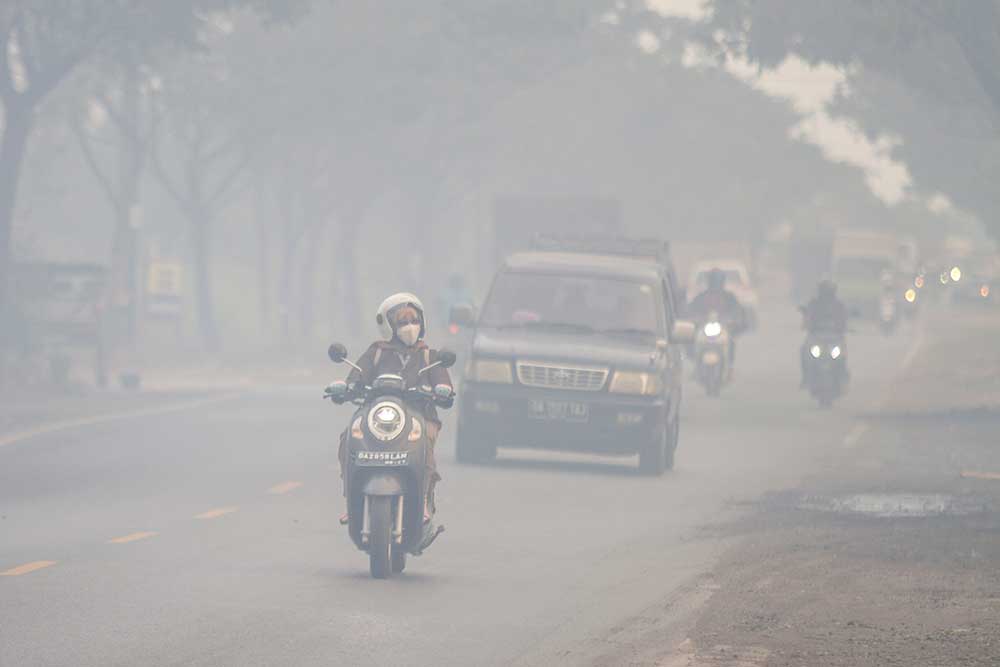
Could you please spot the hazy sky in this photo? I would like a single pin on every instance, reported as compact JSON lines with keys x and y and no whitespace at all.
{"x":809,"y":90}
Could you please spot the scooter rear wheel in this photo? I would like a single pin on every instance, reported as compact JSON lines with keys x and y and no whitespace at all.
{"x":380,"y":540}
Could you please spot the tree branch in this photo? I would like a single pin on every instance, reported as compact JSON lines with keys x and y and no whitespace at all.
{"x":229,"y":179}
{"x":95,"y":168}
{"x":161,"y":175}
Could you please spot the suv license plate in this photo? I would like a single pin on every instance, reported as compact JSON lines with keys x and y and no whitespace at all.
{"x":560,"y":411}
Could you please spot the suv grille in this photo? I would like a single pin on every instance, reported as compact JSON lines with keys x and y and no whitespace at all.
{"x":561,"y":377}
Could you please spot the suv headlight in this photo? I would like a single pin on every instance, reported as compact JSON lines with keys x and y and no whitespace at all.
{"x":639,"y":384}
{"x":816,"y":351}
{"x":489,"y":370}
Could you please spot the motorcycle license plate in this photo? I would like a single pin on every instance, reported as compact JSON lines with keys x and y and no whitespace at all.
{"x":560,"y":411}
{"x":381,"y":458}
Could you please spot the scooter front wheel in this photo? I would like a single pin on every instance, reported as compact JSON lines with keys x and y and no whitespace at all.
{"x":380,"y":540}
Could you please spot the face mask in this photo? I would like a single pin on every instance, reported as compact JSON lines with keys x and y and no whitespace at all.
{"x":409,"y":334}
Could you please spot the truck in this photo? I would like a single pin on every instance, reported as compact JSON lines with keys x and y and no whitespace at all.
{"x":861,"y":261}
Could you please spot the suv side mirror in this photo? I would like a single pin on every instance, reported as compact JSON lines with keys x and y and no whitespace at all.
{"x":683,"y":332}
{"x":463,"y":316}
{"x":446,"y":357}
{"x":337,"y":353}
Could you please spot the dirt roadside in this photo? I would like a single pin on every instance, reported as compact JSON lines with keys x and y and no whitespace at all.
{"x":889,"y":555}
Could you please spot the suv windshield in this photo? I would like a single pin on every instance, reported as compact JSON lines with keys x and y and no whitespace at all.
{"x":572,"y":303}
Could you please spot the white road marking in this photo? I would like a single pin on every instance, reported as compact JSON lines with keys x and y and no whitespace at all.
{"x":102,"y":419}
{"x":854,"y":437}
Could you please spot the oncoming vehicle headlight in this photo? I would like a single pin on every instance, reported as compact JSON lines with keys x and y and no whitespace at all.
{"x":639,"y":384}
{"x":816,"y":351}
{"x":910,"y":295}
{"x":488,"y":370}
{"x":835,"y":351}
{"x":713,"y":329}
{"x":385,"y":421}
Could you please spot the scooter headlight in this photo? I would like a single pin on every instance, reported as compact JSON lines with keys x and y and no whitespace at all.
{"x":712,"y":329}
{"x":385,"y":421}
{"x":816,"y":351}
{"x":835,"y":351}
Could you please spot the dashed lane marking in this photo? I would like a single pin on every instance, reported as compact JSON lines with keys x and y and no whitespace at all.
{"x":134,"y":537}
{"x":102,"y":419}
{"x":27,"y":568}
{"x":854,"y":437}
{"x":977,"y":474}
{"x":216,"y":513}
{"x":283,"y":488}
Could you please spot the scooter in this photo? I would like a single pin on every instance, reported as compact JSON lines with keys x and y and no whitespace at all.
{"x":712,"y":355}
{"x":825,"y":370}
{"x":386,"y":476}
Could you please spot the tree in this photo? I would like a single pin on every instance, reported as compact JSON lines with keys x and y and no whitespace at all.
{"x":911,"y":63}
{"x":41,"y":43}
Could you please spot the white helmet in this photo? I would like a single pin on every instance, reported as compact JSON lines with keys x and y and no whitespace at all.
{"x":383,"y":315}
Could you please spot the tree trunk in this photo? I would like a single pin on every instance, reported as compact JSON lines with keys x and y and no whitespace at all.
{"x":202,"y":269}
{"x":307,"y":281}
{"x":263,"y":263}
{"x":288,"y":238}
{"x":347,"y":312}
{"x":16,"y":129}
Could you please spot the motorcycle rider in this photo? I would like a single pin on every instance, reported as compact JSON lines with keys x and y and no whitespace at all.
{"x":824,"y":314}
{"x":403,"y":352}
{"x":717,"y":299}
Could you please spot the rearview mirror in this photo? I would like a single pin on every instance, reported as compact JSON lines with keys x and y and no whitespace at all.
{"x":463,"y":316}
{"x":446,"y":357}
{"x":683,"y":332}
{"x":337,"y":353}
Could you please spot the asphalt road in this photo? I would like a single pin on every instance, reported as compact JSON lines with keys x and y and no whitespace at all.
{"x":208,"y":536}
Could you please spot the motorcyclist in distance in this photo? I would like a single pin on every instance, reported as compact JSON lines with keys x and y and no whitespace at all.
{"x":824,"y":314}
{"x":404,"y":353}
{"x":717,"y":299}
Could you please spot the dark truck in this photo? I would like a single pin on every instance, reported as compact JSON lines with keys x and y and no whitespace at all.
{"x":575,"y":351}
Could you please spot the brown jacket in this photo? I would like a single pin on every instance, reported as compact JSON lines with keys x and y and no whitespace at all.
{"x":395,"y":358}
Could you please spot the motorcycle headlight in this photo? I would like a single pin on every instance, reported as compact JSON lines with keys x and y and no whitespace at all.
{"x":712,"y":329}
{"x":816,"y":351}
{"x":835,"y":351}
{"x":638,"y":384}
{"x":488,"y":370}
{"x":385,"y":421}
